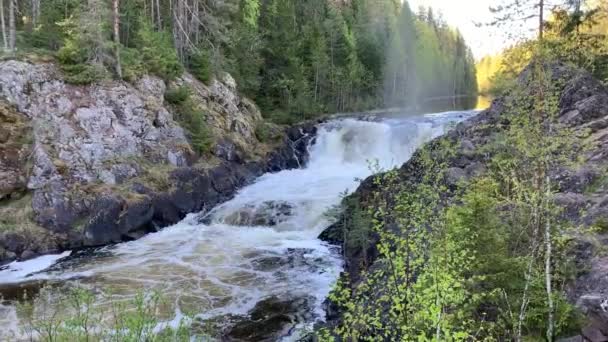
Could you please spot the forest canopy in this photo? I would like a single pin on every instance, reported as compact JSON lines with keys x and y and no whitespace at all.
{"x":294,"y":58}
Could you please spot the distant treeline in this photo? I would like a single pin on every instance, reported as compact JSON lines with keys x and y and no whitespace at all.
{"x":578,"y":36}
{"x":295,"y":58}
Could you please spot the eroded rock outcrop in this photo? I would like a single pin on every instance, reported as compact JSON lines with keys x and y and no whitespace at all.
{"x":107,"y":162}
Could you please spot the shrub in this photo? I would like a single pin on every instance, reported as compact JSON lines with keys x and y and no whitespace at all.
{"x":81,"y":74}
{"x":176,"y":96}
{"x":266,"y":133}
{"x":74,"y":63}
{"x":78,"y":314}
{"x":282,"y":117}
{"x":132,"y":64}
{"x":157,"y":53}
{"x":200,"y":66}
{"x":191,"y":118}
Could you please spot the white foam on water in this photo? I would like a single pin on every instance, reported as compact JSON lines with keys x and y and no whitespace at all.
{"x":20,"y":271}
{"x":225,"y":268}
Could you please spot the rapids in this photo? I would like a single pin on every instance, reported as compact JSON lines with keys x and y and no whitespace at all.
{"x":261,"y":244}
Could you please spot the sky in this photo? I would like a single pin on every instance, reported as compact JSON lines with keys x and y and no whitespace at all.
{"x":463,"y":14}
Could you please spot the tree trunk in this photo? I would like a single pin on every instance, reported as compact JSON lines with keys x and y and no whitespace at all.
{"x":548,"y":275}
{"x":541,"y":14}
{"x":528,"y":274}
{"x":152,"y":16}
{"x":35,"y":12}
{"x":3,"y":24}
{"x":115,"y":7}
{"x":12,"y":30}
{"x":158,"y":17}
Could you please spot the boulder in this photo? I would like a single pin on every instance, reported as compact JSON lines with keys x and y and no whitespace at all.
{"x":269,"y":214}
{"x":270,"y":319}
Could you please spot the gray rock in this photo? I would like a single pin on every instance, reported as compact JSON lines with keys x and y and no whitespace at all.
{"x":475,"y":169}
{"x":14,"y":151}
{"x":270,"y":319}
{"x":88,"y":128}
{"x":571,"y":339}
{"x":227,"y":150}
{"x":572,"y":205}
{"x":455,"y":175}
{"x":89,"y":142}
{"x":270,"y":213}
{"x":27,"y":254}
{"x":593,"y":334}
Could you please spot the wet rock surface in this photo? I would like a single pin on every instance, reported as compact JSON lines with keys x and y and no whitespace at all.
{"x":270,"y":319}
{"x":267,"y":214}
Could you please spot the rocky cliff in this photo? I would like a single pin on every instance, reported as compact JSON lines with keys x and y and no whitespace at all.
{"x":582,"y":192}
{"x":91,"y":165}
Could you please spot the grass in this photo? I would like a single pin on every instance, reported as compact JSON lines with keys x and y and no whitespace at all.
{"x":155,"y":176}
{"x":266,"y":133}
{"x":18,"y":215}
{"x":79,"y":314}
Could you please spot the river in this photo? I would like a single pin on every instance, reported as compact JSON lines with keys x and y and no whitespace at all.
{"x":260,"y":245}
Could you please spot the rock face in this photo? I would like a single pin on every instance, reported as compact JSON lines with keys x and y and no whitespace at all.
{"x":107,"y":162}
{"x":15,"y":134}
{"x":583,"y":192}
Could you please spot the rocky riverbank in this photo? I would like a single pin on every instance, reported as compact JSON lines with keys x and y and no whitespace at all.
{"x":91,"y":165}
{"x":582,"y":192}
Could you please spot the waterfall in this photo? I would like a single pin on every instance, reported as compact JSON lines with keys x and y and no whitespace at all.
{"x":262,"y":243}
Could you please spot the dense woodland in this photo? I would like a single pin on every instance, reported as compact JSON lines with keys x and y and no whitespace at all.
{"x":294,"y":58}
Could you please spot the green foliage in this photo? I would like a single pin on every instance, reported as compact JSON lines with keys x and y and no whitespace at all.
{"x":320,"y":57}
{"x":578,"y":37}
{"x":249,"y":11}
{"x":296,"y":59}
{"x":200,"y":66}
{"x":132,"y":64}
{"x":488,"y":261}
{"x":84,"y":55}
{"x":47,"y":34}
{"x":82,"y":74}
{"x":76,"y":314}
{"x":157,"y":52}
{"x":265,"y":133}
{"x":177,"y":96}
{"x":189,"y":115}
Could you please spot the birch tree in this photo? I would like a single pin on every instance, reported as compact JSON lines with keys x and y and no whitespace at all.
{"x":116,"y":15}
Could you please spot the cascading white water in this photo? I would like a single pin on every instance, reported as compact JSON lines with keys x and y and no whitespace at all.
{"x":262,"y":243}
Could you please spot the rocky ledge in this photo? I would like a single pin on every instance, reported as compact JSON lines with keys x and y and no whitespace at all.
{"x":583,"y":192}
{"x":91,"y":165}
